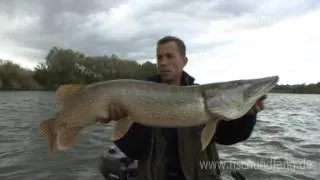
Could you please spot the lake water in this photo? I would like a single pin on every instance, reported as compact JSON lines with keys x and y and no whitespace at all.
{"x":287,"y":131}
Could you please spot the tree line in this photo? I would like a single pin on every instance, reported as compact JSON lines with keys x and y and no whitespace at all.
{"x":64,"y":66}
{"x":298,"y":88}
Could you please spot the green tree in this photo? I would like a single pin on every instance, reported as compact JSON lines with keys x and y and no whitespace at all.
{"x":64,"y":66}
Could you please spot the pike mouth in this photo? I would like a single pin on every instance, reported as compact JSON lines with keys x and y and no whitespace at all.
{"x":262,"y":91}
{"x":273,"y":83}
{"x":275,"y":80}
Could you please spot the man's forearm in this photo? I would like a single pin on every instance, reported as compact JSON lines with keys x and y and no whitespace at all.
{"x":136,"y":142}
{"x":231,"y":132}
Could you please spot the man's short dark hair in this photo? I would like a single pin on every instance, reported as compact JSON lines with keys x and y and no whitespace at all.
{"x":181,"y":45}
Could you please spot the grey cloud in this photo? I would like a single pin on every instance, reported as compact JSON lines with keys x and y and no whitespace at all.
{"x":235,"y":7}
{"x":275,"y":11}
{"x":60,"y":15}
{"x":87,"y":26}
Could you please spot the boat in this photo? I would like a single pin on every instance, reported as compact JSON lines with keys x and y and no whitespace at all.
{"x":115,"y":165}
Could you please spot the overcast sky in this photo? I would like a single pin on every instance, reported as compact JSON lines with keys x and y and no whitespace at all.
{"x":225,"y":40}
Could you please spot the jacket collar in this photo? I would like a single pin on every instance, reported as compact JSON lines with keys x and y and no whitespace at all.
{"x":186,"y":79}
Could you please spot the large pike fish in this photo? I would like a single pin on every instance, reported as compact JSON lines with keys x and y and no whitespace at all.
{"x":151,"y":104}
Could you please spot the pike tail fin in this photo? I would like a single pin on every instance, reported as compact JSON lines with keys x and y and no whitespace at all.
{"x":207,"y":133}
{"x":66,"y":137}
{"x":121,"y":128}
{"x":47,"y":128}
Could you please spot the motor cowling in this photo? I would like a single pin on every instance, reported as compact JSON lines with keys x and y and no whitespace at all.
{"x":114,"y":165}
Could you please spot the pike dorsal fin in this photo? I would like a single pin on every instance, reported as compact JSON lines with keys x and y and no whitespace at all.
{"x":65,"y":91}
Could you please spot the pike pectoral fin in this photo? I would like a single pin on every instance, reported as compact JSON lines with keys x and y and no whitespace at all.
{"x":46,"y":128}
{"x":207,"y":132}
{"x":66,"y":137}
{"x":121,"y":128}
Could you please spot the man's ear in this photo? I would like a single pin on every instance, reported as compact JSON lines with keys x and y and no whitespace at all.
{"x":185,"y":61}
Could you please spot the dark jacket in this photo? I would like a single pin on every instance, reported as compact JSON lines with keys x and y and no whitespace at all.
{"x":136,"y":143}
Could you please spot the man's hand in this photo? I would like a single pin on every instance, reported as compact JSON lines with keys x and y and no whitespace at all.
{"x":115,"y":112}
{"x":259,"y":105}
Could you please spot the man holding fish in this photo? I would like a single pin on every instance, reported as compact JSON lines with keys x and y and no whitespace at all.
{"x":175,"y":153}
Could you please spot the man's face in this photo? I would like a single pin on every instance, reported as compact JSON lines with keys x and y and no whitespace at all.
{"x":170,"y":62}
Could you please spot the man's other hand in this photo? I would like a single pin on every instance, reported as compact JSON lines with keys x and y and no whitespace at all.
{"x":258,"y":106}
{"x":115,"y":112}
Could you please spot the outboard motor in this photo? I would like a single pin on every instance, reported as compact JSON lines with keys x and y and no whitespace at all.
{"x":114,"y":165}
